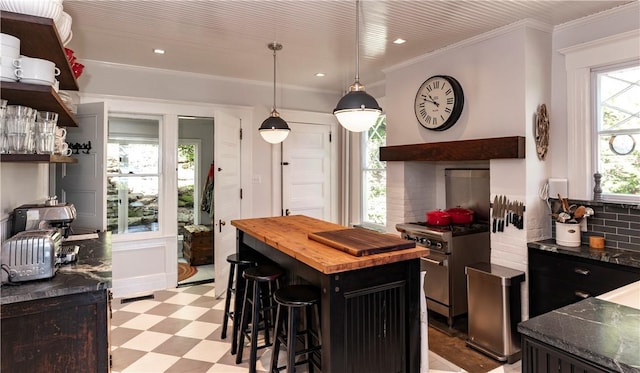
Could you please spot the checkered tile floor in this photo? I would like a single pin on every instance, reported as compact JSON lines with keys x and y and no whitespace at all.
{"x":179,"y":331}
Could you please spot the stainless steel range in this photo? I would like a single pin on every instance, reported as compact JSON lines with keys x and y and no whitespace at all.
{"x":451,"y":249}
{"x":455,"y":246}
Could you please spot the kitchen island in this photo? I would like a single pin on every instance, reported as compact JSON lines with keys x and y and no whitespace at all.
{"x":593,"y":335}
{"x":62,"y":323}
{"x":370,"y":304}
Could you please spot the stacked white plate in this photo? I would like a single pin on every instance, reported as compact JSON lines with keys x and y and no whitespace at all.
{"x":70,"y":99}
{"x":9,"y":52}
{"x":63,"y":24}
{"x":40,"y":8}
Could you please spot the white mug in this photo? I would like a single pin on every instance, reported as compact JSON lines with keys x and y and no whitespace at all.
{"x":61,"y":147}
{"x":61,"y":133}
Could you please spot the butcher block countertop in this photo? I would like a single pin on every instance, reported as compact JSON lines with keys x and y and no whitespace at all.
{"x":290,"y":235}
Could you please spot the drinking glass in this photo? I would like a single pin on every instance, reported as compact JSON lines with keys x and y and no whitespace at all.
{"x":20,"y":122}
{"x":4,"y":145}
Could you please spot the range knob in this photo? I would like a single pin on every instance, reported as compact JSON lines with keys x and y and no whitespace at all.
{"x":439,"y":245}
{"x":427,"y":242}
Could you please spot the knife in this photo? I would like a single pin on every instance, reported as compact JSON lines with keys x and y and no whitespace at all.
{"x":521,"y":216}
{"x":509,"y":209}
{"x":502,"y":204}
{"x":494,"y":213}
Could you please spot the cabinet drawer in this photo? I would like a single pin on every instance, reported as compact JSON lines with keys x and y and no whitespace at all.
{"x":556,"y":280}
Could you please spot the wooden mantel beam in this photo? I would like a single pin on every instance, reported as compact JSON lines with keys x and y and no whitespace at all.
{"x":463,"y":150}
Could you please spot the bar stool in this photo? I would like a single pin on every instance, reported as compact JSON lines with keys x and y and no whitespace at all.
{"x":258,"y":304}
{"x":295,"y":298}
{"x":238,"y":262}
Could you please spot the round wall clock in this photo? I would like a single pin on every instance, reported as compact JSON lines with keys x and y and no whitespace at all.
{"x":439,"y":102}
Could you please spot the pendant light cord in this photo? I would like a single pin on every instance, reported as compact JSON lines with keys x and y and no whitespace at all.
{"x":357,"y":41}
{"x":275,"y":47}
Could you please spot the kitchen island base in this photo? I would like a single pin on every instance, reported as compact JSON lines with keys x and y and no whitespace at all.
{"x":370,"y":316}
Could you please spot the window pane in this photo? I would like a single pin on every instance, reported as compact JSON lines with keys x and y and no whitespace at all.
{"x":618,"y":131}
{"x":132,"y":204}
{"x":133,"y":176}
{"x":375,"y":202}
{"x":374,"y":176}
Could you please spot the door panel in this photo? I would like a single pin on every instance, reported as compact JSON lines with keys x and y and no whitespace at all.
{"x":226,"y":194}
{"x":306,"y":170}
{"x":83,"y":183}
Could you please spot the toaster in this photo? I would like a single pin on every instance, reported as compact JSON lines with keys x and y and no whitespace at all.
{"x":30,"y":255}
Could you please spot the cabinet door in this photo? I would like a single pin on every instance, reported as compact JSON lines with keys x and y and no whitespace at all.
{"x":60,"y":334}
{"x":557,"y":280}
{"x":540,"y":358}
{"x":84,"y":183}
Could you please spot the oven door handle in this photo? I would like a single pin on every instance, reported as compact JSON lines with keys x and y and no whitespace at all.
{"x":436,"y":262}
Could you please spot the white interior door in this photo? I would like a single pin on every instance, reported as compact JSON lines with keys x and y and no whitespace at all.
{"x":226,"y":193}
{"x":83,"y":184}
{"x":306,"y":171}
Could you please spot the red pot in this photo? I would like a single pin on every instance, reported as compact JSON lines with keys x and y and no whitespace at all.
{"x":438,"y":217}
{"x":460,"y":215}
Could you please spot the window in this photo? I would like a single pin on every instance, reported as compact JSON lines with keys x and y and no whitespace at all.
{"x":133,"y":178}
{"x":617,"y":126}
{"x":374,"y":175}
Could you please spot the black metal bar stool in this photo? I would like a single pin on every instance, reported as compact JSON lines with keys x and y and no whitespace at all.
{"x":295,"y":298}
{"x":258,"y":304}
{"x":238,"y":262}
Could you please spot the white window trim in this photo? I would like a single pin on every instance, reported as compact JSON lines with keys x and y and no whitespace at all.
{"x":579,"y":60}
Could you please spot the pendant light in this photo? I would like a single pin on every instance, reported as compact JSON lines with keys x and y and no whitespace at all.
{"x":274,"y":129}
{"x":357,"y":111}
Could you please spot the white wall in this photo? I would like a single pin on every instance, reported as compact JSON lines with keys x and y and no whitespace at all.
{"x":130,"y":81}
{"x":617,"y":21}
{"x":505,"y":76}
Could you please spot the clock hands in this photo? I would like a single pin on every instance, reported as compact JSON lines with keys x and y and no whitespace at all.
{"x":431,"y":100}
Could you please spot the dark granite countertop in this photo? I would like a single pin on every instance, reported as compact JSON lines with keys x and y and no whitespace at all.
{"x":616,"y":256}
{"x":602,"y":332}
{"x":92,"y":271}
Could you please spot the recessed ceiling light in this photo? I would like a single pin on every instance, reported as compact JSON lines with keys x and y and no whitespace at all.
{"x":158,"y":51}
{"x":319,"y":75}
{"x":399,"y":41}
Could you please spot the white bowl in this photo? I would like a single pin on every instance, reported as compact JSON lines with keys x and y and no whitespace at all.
{"x":65,"y":42}
{"x":7,"y":74}
{"x":9,"y":41}
{"x":63,"y":24}
{"x":37,"y":71}
{"x":40,"y":8}
{"x":9,"y":52}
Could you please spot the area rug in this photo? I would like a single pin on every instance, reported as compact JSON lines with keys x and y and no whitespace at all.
{"x":454,"y":349}
{"x":185,"y":271}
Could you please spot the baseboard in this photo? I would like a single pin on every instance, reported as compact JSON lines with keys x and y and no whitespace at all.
{"x":134,"y":286}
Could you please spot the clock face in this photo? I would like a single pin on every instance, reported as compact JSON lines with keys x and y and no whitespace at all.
{"x":439,"y":102}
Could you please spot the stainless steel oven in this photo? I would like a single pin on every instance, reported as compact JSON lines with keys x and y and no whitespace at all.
{"x":451,"y":249}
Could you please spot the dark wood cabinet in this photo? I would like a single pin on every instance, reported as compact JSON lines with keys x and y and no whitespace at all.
{"x":538,"y":357}
{"x":556,"y":279}
{"x":67,"y":333}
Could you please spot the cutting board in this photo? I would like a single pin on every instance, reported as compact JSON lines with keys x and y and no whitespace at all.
{"x":360,"y":242}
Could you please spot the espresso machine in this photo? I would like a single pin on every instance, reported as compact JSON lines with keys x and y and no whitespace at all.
{"x":44,"y":216}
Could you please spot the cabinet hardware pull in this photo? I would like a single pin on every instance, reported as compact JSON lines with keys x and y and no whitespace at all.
{"x":582,"y":294}
{"x":581,"y":271}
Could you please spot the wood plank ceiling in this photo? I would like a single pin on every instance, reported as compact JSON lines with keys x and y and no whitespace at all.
{"x":229,"y":38}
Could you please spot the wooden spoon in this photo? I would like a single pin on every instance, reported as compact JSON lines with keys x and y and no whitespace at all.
{"x":579,"y":213}
{"x":565,"y":203}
